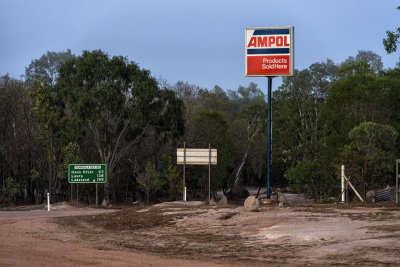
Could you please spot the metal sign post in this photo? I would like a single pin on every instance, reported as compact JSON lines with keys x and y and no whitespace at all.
{"x":209,"y":173}
{"x":269,"y":138}
{"x":87,"y":173}
{"x":184,"y":167}
{"x":269,"y":52}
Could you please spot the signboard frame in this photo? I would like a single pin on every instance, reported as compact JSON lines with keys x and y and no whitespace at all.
{"x":89,"y":171}
{"x":196,"y":156}
{"x":291,"y":52}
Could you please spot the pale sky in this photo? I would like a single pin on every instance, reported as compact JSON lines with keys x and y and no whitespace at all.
{"x":201,"y":42}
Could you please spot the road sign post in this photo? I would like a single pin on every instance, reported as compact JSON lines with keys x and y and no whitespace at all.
{"x":269,"y":53}
{"x":269,"y":137}
{"x":196,"y":156}
{"x":86,"y":174}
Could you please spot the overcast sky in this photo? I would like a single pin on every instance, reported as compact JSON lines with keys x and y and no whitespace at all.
{"x":201,"y":42}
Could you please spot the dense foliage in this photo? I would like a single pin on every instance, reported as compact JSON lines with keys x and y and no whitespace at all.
{"x":94,"y":108}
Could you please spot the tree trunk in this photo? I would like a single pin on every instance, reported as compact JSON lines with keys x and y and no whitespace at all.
{"x":237,"y":176}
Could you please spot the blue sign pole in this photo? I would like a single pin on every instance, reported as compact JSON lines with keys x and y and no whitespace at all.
{"x":269,"y":137}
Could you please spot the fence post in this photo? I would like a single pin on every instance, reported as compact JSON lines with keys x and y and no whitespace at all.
{"x":48,"y":201}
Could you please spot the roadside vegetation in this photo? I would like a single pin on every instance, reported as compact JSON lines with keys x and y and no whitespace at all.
{"x":97,"y":108}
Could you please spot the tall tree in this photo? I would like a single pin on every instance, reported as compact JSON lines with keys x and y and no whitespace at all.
{"x":391,"y":41}
{"x":41,"y":75}
{"x":19,"y":151}
{"x":45,"y":69}
{"x":370,"y":154}
{"x":391,"y":82}
{"x":356,"y":97}
{"x":210,"y":127}
{"x":117,"y":103}
{"x":373,"y":60}
{"x":252,"y":121}
{"x":299,"y":127}
{"x":49,"y":111}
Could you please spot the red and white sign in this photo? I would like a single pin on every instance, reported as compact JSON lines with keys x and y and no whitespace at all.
{"x":269,"y":51}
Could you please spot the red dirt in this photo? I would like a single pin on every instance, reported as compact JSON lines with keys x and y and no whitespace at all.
{"x":26,"y":240}
{"x":194,"y":234}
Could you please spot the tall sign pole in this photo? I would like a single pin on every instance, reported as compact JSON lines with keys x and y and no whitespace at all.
{"x":184,"y":169}
{"x":209,"y":173}
{"x":269,"y":137}
{"x":269,"y":53}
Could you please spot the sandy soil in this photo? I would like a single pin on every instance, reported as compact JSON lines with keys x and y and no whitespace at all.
{"x":191,"y":233}
{"x":30,"y":238}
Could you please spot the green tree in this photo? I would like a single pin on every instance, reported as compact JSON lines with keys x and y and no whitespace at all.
{"x":299,"y":129}
{"x":19,"y":150}
{"x":149,"y":180}
{"x":391,"y":82}
{"x":358,"y":96}
{"x":312,"y":178}
{"x":45,"y":69}
{"x":70,"y":154}
{"x":391,"y":41}
{"x":252,"y":121}
{"x":373,"y":62}
{"x":245,"y":95}
{"x":117,"y":103}
{"x":49,"y":109}
{"x":211,"y":128}
{"x":170,"y":177}
{"x":49,"y":112}
{"x":370,"y":154}
{"x":247,"y":123}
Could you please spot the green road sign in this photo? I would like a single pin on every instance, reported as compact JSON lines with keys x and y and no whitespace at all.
{"x":87,"y":173}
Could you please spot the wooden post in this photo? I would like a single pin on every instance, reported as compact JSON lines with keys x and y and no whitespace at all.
{"x":352,"y":187}
{"x":48,"y":201}
{"x":77,"y":195}
{"x":196,"y":156}
{"x":209,"y":173}
{"x":343,"y":190}
{"x":97,"y":200}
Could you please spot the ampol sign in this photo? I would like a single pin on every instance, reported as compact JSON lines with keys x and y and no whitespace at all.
{"x":269,"y":51}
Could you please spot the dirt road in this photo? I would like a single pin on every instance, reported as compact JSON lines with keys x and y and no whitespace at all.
{"x":194,"y":234}
{"x":30,"y":238}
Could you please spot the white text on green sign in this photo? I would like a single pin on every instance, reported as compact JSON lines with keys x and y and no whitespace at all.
{"x":87,"y":173}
